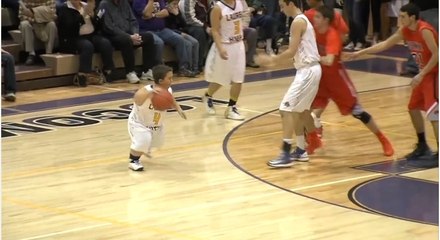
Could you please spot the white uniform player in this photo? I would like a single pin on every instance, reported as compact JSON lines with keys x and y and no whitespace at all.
{"x":226,"y":60}
{"x":223,"y":71}
{"x":302,"y":91}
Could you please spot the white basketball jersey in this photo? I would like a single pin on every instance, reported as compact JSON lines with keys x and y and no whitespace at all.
{"x":231,"y":24}
{"x":307,"y":50}
{"x":146,"y":115}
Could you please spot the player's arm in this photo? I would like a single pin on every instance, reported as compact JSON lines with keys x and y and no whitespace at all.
{"x":216,"y":16}
{"x":296,"y":31}
{"x":333,"y":48}
{"x":428,"y":36}
{"x":391,"y":41}
{"x":141,"y":96}
{"x":179,"y":109}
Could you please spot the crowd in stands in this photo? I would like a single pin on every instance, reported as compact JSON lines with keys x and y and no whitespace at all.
{"x":102,"y":26}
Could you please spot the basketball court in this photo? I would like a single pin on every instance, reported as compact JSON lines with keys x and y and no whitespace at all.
{"x":65,"y":173}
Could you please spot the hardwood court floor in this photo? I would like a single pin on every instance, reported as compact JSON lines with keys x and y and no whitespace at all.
{"x":73,"y":182}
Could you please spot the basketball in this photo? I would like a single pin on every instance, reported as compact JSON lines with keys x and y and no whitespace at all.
{"x":162,"y":101}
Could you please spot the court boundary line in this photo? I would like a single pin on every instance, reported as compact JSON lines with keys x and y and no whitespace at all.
{"x":79,"y":229}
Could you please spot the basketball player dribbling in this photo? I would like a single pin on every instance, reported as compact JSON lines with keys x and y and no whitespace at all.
{"x":422,"y":40}
{"x":145,"y":124}
{"x":226,"y":60}
{"x":296,"y":103}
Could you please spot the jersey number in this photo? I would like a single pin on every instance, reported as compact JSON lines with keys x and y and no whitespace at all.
{"x":237,"y":27}
{"x":156,"y":118}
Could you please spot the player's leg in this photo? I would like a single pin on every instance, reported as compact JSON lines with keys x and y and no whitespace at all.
{"x":237,"y":65}
{"x":140,"y":144}
{"x":214,"y":68}
{"x":287,"y":120}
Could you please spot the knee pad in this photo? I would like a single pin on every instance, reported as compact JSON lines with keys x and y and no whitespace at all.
{"x":363,"y":116}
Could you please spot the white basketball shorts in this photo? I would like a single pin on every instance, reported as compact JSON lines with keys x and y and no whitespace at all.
{"x":144,"y":138}
{"x":225,"y":72}
{"x":302,"y":91}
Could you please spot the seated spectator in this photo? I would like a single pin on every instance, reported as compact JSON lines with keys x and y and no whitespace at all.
{"x":8,"y":64}
{"x":151,"y":16}
{"x":266,"y":23}
{"x":37,"y":20}
{"x":176,"y":22}
{"x":120,"y":26}
{"x":77,"y":24}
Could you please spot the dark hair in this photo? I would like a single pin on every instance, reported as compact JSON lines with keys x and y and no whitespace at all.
{"x":326,"y":13}
{"x":411,"y":9}
{"x":298,"y":3}
{"x":159,"y":72}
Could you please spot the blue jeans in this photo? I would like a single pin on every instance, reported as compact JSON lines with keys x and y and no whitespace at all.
{"x":192,"y":48}
{"x":8,"y":63}
{"x":175,"y":40}
{"x":358,"y":14}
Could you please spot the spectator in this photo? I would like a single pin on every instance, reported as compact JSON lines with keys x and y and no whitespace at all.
{"x":8,"y":64}
{"x":151,"y":16}
{"x":176,"y":22}
{"x":37,"y":20}
{"x":195,"y":14}
{"x":266,"y":23}
{"x":358,"y":13}
{"x":77,"y":24}
{"x":120,"y":26}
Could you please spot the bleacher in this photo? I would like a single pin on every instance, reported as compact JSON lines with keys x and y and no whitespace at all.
{"x":58,"y":69}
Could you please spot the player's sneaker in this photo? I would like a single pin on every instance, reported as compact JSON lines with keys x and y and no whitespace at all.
{"x":421,"y":150}
{"x":299,"y":155}
{"x":136,"y":165}
{"x":209,"y":104}
{"x":283,"y":161}
{"x":233,"y":114}
{"x":314,"y":142}
{"x":425,"y":161}
{"x":319,"y":131}
{"x":387,"y":147}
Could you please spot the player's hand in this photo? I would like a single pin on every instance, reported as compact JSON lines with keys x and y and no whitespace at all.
{"x":182,"y":114}
{"x":264,"y":60}
{"x":349,"y":55}
{"x":416,"y":80}
{"x":223,"y":54}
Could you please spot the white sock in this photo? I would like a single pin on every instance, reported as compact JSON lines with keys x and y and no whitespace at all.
{"x":269,"y":44}
{"x":316,"y":120}
{"x":289,"y":141}
{"x":32,"y":53}
{"x":301,"y":142}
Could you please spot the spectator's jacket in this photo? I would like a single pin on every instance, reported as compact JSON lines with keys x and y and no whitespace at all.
{"x":69,"y":22}
{"x":176,"y":22}
{"x":31,"y":4}
{"x":195,"y":12}
{"x":152,"y":24}
{"x":118,"y":18}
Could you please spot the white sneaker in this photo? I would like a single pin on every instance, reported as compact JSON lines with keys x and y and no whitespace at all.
{"x":209,"y":105}
{"x":233,"y":114}
{"x":349,"y":46}
{"x":136,"y":165}
{"x":132,"y":77}
{"x":147,"y":75}
{"x":10,"y":97}
{"x":359,"y":46}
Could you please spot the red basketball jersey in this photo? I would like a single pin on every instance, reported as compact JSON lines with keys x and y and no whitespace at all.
{"x":330,"y":43}
{"x":417,"y":44}
{"x":338,"y":22}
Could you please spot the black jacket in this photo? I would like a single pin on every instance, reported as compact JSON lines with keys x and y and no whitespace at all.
{"x":69,"y":23}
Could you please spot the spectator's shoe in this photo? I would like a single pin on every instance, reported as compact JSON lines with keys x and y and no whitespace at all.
{"x":186,"y":73}
{"x":349,"y":46}
{"x":147,"y":75}
{"x":252,"y":65}
{"x":132,"y":77}
{"x":359,"y":46}
{"x":421,"y":150}
{"x":283,"y":161}
{"x":209,"y":105}
{"x":9,"y":97}
{"x":136,"y":165}
{"x":425,"y":162}
{"x":299,"y":155}
{"x":233,"y":114}
{"x":270,"y":52}
{"x":386,"y":146}
{"x":30,"y":60}
{"x":408,"y":73}
{"x":80,"y":80}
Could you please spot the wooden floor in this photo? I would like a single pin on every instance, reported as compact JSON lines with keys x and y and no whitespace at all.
{"x":210,"y":179}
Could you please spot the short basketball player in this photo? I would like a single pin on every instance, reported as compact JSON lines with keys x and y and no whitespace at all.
{"x":335,"y":83}
{"x":295,"y":106}
{"x":226,"y":60}
{"x":145,"y":124}
{"x":422,"y":40}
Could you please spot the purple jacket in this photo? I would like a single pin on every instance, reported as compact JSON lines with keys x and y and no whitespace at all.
{"x":152,"y":24}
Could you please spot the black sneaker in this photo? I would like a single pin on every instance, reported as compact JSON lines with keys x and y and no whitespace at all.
{"x":186,"y":73}
{"x":425,"y":161}
{"x":80,"y":80}
{"x":283,"y":161}
{"x":30,"y":60}
{"x":421,"y":150}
